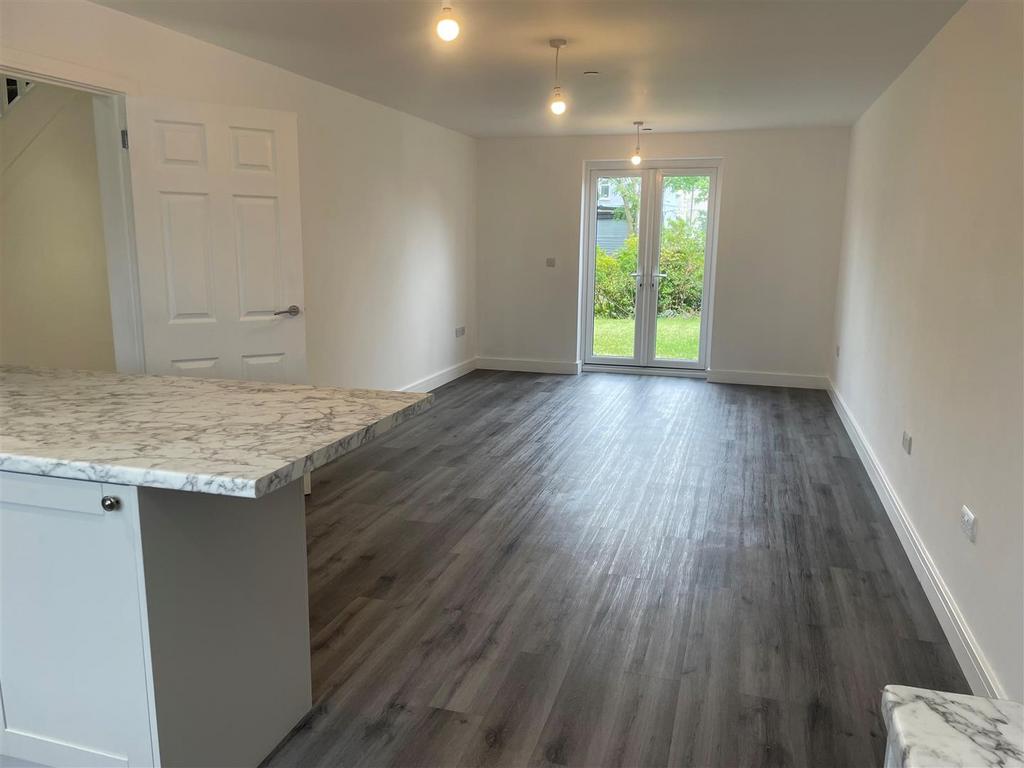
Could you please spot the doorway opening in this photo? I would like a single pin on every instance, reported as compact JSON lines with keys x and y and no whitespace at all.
{"x":649,"y":245}
{"x":67,"y":267}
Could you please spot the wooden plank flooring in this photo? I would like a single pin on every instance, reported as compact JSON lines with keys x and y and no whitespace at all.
{"x":608,"y":570}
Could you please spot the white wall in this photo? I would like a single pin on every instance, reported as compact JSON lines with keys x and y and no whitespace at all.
{"x":54,"y":300}
{"x":778,"y":249}
{"x":930,"y":312}
{"x":387,"y":199}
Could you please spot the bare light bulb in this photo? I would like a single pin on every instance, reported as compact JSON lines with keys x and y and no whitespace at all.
{"x":636,"y":159}
{"x":557,"y":101}
{"x":447,"y":25}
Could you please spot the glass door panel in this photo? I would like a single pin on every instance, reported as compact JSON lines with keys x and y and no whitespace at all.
{"x":616,"y":273}
{"x":678,"y":273}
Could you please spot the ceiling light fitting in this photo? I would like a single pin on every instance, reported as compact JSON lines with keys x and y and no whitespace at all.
{"x":447,"y":24}
{"x":557,"y":103}
{"x":636,"y":159}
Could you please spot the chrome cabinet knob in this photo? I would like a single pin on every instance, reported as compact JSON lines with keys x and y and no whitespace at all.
{"x":110,"y":503}
{"x":292,"y":311}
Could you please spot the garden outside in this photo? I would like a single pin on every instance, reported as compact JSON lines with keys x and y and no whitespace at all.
{"x":678,"y":337}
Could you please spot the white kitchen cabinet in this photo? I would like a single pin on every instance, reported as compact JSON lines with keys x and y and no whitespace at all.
{"x":74,"y":654}
{"x":172,"y":630}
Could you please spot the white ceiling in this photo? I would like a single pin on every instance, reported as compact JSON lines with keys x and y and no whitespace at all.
{"x":681,"y":66}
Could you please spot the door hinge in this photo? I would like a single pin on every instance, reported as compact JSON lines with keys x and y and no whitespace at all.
{"x":124,"y":138}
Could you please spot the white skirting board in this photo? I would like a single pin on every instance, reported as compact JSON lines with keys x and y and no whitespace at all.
{"x":768,"y":379}
{"x":531,"y":366}
{"x":975,"y":666}
{"x":573,"y":367}
{"x":435,"y":380}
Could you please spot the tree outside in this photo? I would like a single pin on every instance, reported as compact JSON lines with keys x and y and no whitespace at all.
{"x":681,"y":260}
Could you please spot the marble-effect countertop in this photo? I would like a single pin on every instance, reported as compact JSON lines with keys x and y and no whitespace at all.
{"x":234,"y":438}
{"x":936,"y":729}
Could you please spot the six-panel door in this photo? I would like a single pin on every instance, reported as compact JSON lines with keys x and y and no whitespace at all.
{"x":217,"y":225}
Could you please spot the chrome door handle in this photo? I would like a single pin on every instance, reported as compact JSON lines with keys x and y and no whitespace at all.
{"x":292,"y":311}
{"x":639,"y":276}
{"x":655,"y":277}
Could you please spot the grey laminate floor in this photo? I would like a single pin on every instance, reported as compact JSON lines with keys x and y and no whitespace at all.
{"x":609,"y":570}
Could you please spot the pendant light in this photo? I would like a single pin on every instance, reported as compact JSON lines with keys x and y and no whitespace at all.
{"x":557,"y":103}
{"x":636,"y":159}
{"x":447,"y":24}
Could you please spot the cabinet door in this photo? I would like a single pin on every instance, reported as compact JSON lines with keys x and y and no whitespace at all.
{"x":73,"y":642}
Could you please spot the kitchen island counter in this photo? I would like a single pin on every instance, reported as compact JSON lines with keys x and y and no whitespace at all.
{"x":153,"y":570}
{"x":235,"y":438}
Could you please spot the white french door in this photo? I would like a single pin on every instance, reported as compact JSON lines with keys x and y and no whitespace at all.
{"x":649,"y":236}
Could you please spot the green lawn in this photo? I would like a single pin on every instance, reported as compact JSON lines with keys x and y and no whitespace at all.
{"x":678,"y":337}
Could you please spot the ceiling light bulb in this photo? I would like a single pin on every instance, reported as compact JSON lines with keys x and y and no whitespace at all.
{"x":447,"y":25}
{"x":557,"y":101}
{"x":636,"y":159}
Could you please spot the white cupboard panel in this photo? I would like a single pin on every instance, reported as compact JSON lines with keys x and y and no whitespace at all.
{"x":70,"y":495}
{"x":73,"y":669}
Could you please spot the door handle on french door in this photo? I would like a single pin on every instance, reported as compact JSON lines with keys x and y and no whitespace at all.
{"x":639,"y":277}
{"x":655,"y":277}
{"x":292,"y":311}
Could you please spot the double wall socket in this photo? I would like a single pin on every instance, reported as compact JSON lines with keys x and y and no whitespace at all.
{"x":460,"y":331}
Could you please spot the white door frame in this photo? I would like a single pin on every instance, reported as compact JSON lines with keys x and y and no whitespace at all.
{"x":652,"y":172}
{"x":110,"y":119}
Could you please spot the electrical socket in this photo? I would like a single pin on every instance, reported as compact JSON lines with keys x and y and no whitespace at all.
{"x":968,"y":524}
{"x":908,"y":442}
{"x":550,"y":261}
{"x":460,"y":331}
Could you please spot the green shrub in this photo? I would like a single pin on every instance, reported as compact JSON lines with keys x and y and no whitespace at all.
{"x":614,"y":287}
{"x":682,"y":262}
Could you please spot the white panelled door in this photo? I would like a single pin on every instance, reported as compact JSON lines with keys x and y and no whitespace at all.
{"x":219,"y":243}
